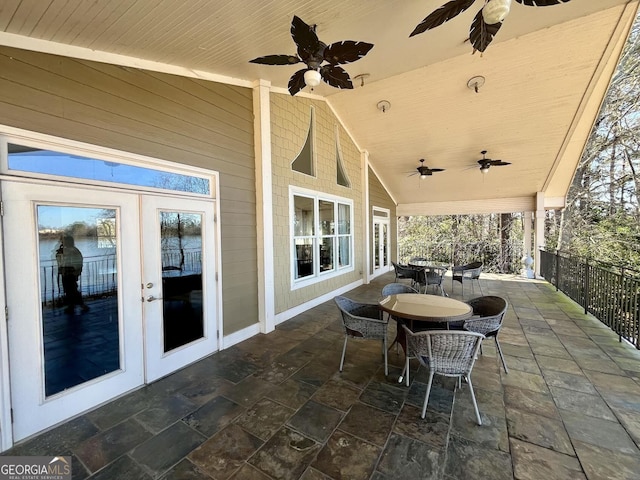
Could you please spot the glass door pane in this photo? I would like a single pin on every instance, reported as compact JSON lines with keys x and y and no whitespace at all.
{"x":78,"y":294}
{"x":181,"y":253}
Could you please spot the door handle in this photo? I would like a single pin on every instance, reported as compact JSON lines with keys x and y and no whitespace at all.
{"x":151,"y":298}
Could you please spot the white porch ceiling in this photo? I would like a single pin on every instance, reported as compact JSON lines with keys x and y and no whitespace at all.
{"x":546,"y":72}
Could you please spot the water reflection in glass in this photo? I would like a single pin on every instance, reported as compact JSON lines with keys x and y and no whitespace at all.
{"x":78,"y":294}
{"x":181,"y":249}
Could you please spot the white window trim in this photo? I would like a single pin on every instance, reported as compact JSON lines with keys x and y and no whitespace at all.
{"x":318,"y":276}
{"x":47,"y":142}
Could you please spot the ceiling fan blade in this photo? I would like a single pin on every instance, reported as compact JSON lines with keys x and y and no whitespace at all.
{"x":481,"y":33}
{"x":499,"y":163}
{"x":346,"y":52}
{"x":442,"y":14}
{"x":335,"y":76}
{"x":305,"y":38}
{"x":437,"y":169}
{"x":541,"y":3}
{"x":296,"y":82}
{"x":276,"y":60}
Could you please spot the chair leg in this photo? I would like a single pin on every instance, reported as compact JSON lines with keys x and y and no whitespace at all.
{"x":426,"y":395}
{"x":504,"y":364}
{"x":384,"y":347}
{"x":344,"y":350}
{"x":473,"y":398}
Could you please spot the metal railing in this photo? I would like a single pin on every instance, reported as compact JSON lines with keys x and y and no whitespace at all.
{"x":100,"y":275}
{"x":495,"y":258}
{"x":610,"y":293}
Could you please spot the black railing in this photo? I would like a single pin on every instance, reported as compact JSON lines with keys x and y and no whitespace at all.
{"x":100,"y":276}
{"x":609,"y":292}
{"x":495,"y":258}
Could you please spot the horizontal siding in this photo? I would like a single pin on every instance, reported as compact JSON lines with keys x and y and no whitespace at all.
{"x":178,"y":119}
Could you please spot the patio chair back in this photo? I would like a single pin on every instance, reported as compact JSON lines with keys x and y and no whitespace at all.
{"x":396,"y":288}
{"x":404,"y":271}
{"x":364,"y":321}
{"x":471,"y":271}
{"x":450,"y":353}
{"x":489,"y":312}
{"x":432,"y":276}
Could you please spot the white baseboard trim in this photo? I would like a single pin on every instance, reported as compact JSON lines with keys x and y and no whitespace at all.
{"x":297,"y":310}
{"x":240,"y":336}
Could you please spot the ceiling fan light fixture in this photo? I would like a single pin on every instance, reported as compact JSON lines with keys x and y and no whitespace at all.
{"x":312,"y":78}
{"x":484,"y":169}
{"x":495,"y":11}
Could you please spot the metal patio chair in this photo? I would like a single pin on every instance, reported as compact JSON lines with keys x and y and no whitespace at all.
{"x":488,"y":313}
{"x":450,"y":353}
{"x":362,"y":321}
{"x":469,"y":271}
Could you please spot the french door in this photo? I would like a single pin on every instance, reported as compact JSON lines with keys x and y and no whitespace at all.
{"x":105,"y":291}
{"x":380,"y":244}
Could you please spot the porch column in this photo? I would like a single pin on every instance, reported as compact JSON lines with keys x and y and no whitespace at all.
{"x":264,"y":210}
{"x":365,"y":273}
{"x":527,"y":258}
{"x":539,"y":229}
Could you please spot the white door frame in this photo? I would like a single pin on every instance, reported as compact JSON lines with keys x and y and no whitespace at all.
{"x":10,"y":134}
{"x":377,"y":220}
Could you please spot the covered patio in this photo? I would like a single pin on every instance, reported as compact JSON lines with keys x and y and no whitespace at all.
{"x":276,"y":406}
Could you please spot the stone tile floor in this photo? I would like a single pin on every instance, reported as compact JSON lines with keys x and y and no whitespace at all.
{"x":276,"y":407}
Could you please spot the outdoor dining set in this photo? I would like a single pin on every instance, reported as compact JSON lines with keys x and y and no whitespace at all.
{"x":444,"y":335}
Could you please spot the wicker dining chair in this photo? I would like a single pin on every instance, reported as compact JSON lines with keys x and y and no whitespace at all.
{"x":450,"y":353}
{"x":488,"y":314}
{"x":470,"y":271}
{"x":404,"y":272}
{"x":432,"y":276}
{"x":396,"y":288}
{"x":362,"y":321}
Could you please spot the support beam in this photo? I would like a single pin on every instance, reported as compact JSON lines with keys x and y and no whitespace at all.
{"x":539,"y":232}
{"x":264,"y":209}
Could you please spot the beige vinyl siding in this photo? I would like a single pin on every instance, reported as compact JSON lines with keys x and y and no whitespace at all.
{"x":289,"y":128}
{"x":378,"y":197}
{"x":183,"y":120}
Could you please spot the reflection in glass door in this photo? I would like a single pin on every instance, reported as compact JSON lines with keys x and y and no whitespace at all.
{"x":78,"y":294}
{"x":181,"y":253}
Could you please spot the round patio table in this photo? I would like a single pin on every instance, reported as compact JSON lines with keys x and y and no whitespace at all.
{"x":423,"y":312}
{"x":431,"y":310}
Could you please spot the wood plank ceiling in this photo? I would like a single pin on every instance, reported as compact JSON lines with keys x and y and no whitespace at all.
{"x":545,"y":75}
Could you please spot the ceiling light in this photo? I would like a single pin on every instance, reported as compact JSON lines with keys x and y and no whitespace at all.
{"x":312,"y":78}
{"x":495,"y":11}
{"x":361,"y":78}
{"x":384,"y":106}
{"x":475,"y":83}
{"x":484,"y":169}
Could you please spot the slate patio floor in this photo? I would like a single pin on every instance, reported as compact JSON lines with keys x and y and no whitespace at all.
{"x":276,"y":407}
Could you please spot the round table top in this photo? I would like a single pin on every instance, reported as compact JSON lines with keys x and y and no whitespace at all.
{"x":419,"y":306}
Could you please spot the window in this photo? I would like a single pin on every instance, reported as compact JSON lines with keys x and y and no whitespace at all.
{"x":342,"y":178}
{"x":322,"y":235}
{"x":303,"y":163}
{"x":43,"y":162}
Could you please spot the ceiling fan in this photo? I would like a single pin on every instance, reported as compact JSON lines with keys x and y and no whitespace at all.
{"x":485,"y":163}
{"x":425,"y":171}
{"x":486,"y":23}
{"x":314,"y":53}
